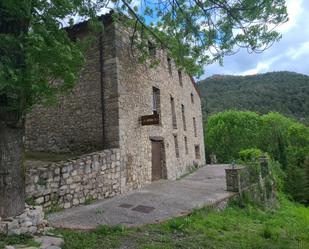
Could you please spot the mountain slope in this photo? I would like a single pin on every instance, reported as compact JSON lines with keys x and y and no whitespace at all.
{"x":284,"y":92}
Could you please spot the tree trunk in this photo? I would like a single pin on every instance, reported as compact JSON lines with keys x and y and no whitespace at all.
{"x":12,"y":186}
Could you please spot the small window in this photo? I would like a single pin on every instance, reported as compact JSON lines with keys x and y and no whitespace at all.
{"x":152,"y":49}
{"x":183,"y":117}
{"x":180,"y":77}
{"x":176,"y":146}
{"x":169,"y":65}
{"x":174,"y":121}
{"x":155,"y":100}
{"x":186,"y":145}
{"x":197,"y":151}
{"x":194,"y":127}
{"x":192,"y":98}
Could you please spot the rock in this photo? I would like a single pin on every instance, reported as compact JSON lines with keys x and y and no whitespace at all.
{"x":32,"y":229}
{"x":9,"y":247}
{"x":24,"y":230}
{"x":13,"y":225}
{"x":47,"y":241}
{"x":39,"y":200}
{"x":26,"y":224}
{"x":52,"y":247}
{"x":14,"y":232}
{"x":26,"y":247}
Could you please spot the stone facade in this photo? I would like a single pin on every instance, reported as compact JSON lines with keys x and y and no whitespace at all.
{"x":105,"y":111}
{"x":135,"y":84}
{"x":75,"y":124}
{"x":78,"y":181}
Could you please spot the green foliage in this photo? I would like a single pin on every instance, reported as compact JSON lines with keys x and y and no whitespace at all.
{"x":248,"y":155}
{"x":38,"y":59}
{"x":191,"y":31}
{"x":232,"y":228}
{"x":105,"y":230}
{"x":277,"y":174}
{"x":231,"y":133}
{"x":17,"y":239}
{"x":89,"y":200}
{"x":283,"y":92}
{"x":30,"y":201}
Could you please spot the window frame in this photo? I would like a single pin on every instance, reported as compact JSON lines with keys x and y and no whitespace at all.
{"x":169,"y":65}
{"x":173,"y":110}
{"x":176,"y":145}
{"x":197,"y":151}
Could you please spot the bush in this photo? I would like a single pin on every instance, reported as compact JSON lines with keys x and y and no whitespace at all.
{"x":229,"y":135}
{"x":250,"y":154}
{"x":229,"y":132}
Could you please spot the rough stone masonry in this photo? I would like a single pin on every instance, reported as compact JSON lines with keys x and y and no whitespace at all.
{"x":104,"y":112}
{"x":77,"y":181}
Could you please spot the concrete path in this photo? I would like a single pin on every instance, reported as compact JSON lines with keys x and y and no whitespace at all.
{"x":152,"y":204}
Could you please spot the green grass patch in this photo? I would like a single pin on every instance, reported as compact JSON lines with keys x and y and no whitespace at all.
{"x":17,"y":240}
{"x":233,"y":228}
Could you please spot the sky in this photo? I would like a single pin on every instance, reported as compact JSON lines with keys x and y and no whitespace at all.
{"x":291,"y":53}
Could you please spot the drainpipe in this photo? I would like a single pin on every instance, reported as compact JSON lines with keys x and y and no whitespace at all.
{"x":102,"y":77}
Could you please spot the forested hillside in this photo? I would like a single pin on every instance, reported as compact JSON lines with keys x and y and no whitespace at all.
{"x":284,"y":92}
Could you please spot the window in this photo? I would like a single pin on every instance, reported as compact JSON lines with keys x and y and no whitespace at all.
{"x":183,"y":117}
{"x":174,"y":121}
{"x":155,"y":100}
{"x":194,"y":127}
{"x":180,"y":77}
{"x":197,"y":151}
{"x":151,"y":49}
{"x":176,"y":146}
{"x":169,"y":65}
{"x":192,"y":98}
{"x":186,"y":145}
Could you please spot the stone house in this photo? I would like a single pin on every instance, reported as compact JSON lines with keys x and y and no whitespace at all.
{"x":151,"y":115}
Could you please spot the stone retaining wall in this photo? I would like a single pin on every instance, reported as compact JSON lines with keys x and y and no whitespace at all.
{"x":31,"y":221}
{"x":70,"y":183}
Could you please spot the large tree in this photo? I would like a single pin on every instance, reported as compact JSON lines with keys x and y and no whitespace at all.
{"x":35,"y":50}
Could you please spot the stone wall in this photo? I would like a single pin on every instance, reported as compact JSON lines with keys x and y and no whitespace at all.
{"x":135,"y":85}
{"x":127,"y":85}
{"x":70,"y":183}
{"x":30,"y":222}
{"x":75,"y":123}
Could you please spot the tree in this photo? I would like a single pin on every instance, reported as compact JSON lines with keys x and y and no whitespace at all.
{"x":229,"y":132}
{"x":38,"y":60}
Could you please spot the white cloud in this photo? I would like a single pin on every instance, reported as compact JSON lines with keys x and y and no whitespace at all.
{"x":294,"y":8}
{"x":295,"y":53}
{"x":289,"y":54}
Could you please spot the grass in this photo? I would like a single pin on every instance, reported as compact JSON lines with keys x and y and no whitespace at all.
{"x":233,"y":228}
{"x":286,"y":227}
{"x":21,"y":239}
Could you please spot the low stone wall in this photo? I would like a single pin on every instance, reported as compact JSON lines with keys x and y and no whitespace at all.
{"x":31,"y":221}
{"x":73,"y":182}
{"x":257,"y":186}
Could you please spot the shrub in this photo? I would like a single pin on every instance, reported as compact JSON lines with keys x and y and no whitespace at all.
{"x":229,"y":135}
{"x":229,"y":132}
{"x":250,"y":154}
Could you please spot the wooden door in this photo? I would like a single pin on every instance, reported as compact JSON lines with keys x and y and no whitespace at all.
{"x":156,"y":160}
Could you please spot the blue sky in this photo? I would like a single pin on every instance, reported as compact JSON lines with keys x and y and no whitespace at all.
{"x":291,"y":53}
